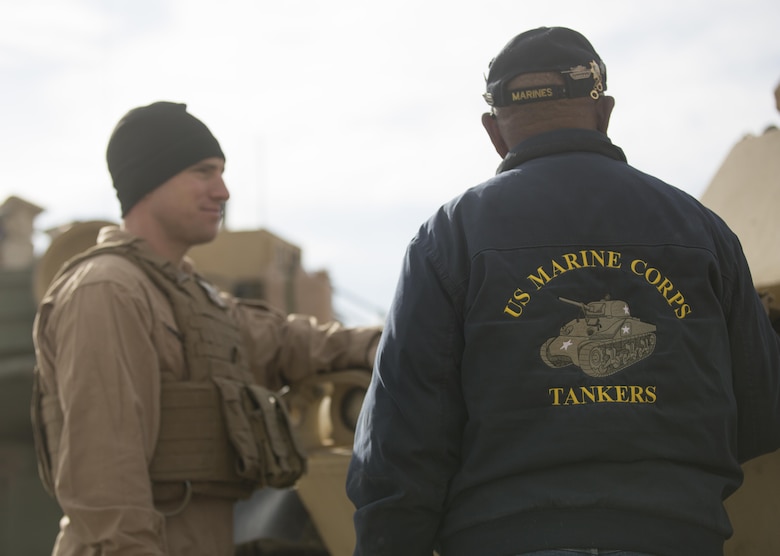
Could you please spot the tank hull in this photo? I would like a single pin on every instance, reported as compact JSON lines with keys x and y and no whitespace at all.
{"x":600,"y":343}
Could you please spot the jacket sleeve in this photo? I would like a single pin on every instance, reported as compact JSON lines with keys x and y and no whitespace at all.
{"x":407,"y":443}
{"x":107,"y":376}
{"x":283,"y":349}
{"x":755,"y":358}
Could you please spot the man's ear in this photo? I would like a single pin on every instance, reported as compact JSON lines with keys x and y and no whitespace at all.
{"x":490,"y":124}
{"x":604,"y":108}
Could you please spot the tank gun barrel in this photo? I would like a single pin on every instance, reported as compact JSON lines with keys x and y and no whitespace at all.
{"x":580,"y":304}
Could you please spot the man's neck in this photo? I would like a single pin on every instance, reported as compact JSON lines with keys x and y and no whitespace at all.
{"x":166,"y":249}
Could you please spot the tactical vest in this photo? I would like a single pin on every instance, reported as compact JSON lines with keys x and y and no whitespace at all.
{"x":220,"y":433}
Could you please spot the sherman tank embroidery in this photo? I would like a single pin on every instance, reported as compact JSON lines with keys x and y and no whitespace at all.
{"x":604,"y":341}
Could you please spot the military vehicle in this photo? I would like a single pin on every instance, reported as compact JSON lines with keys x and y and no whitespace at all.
{"x":607,"y":339}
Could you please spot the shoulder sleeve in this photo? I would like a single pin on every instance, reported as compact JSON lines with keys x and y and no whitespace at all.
{"x":755,"y":359}
{"x":406,"y":444}
{"x":93,"y":342}
{"x":286,"y":348}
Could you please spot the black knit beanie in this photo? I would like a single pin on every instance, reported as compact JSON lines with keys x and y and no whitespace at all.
{"x":151,"y":144}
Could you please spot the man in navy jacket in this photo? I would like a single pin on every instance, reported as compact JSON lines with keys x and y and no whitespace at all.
{"x":575,"y":356}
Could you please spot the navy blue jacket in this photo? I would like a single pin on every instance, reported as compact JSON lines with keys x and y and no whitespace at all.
{"x":575,"y":357}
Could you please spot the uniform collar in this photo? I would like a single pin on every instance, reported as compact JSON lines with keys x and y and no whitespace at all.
{"x":561,"y":141}
{"x":115,"y":234}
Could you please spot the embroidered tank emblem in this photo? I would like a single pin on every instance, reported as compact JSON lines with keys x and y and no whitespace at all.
{"x":604,"y":341}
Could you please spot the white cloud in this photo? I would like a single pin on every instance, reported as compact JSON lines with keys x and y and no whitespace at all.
{"x":47,"y":31}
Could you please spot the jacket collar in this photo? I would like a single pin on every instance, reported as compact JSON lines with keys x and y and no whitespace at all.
{"x":560,"y":141}
{"x":115,"y":234}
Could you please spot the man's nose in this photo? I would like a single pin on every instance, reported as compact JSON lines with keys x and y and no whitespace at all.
{"x":220,"y":190}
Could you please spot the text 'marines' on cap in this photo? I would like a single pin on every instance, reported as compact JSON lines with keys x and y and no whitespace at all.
{"x":546,"y":49}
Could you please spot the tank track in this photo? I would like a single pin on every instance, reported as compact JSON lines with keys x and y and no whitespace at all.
{"x":599,"y":359}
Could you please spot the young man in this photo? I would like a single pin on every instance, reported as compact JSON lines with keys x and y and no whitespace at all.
{"x":576,"y":360}
{"x":147,"y":395}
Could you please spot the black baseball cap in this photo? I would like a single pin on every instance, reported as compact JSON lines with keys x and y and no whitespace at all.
{"x":546,"y":49}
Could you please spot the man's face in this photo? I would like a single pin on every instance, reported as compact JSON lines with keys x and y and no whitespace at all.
{"x":187,"y":209}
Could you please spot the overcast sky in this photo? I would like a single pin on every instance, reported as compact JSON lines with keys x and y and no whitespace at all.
{"x":347,"y":123}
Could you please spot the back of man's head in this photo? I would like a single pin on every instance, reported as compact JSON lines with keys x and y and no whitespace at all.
{"x":547,"y":78}
{"x":546,"y":50}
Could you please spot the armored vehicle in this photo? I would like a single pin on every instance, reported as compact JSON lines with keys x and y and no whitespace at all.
{"x":605,"y":340}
